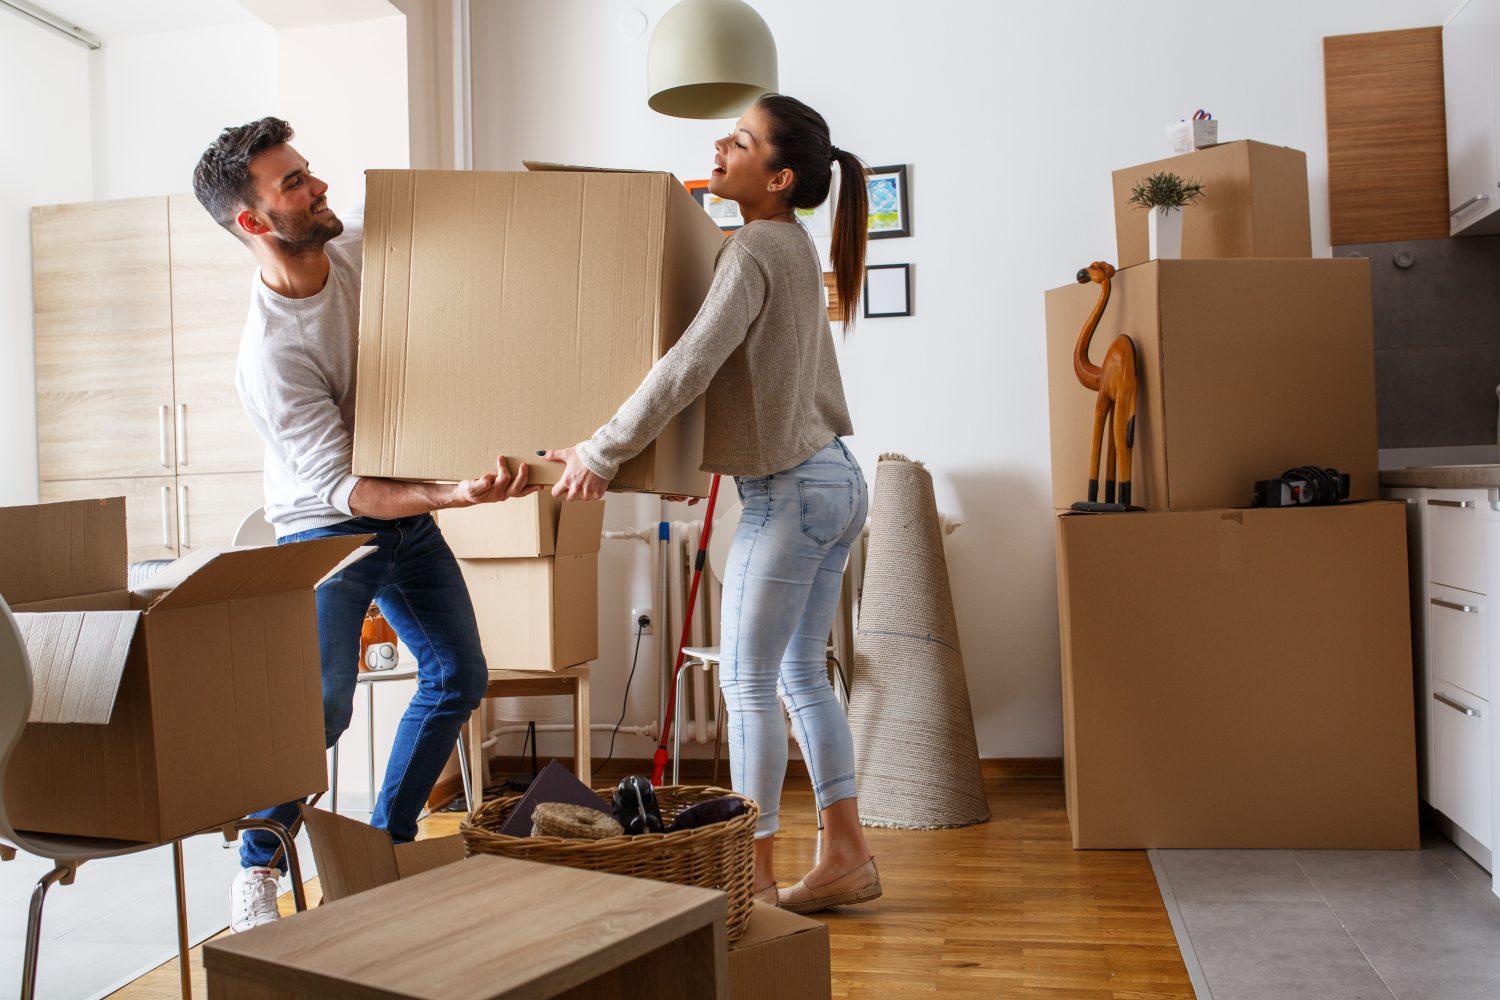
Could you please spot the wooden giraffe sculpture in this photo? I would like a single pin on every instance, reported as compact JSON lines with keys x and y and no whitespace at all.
{"x":1115,"y":382}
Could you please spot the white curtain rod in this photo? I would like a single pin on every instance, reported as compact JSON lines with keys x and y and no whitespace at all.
{"x":51,"y":21}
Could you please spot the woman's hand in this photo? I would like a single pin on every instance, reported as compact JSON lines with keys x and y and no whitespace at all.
{"x":674,"y":498}
{"x":577,"y":482}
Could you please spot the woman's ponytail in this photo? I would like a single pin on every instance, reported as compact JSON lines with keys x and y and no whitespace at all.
{"x":850,"y":234}
{"x":800,"y":143}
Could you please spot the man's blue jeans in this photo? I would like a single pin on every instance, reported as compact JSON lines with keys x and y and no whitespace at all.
{"x":414,"y":579}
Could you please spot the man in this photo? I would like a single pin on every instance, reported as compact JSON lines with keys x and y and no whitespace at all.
{"x":295,"y":377}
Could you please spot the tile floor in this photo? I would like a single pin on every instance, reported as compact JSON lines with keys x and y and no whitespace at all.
{"x":1335,"y":925}
{"x":118,"y":919}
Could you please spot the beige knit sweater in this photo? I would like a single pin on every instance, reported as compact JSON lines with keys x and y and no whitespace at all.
{"x":762,"y":348}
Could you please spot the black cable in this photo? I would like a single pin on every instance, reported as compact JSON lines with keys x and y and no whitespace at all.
{"x":640,"y":629}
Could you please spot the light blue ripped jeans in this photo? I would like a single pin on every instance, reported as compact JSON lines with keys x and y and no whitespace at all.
{"x":781,"y":589}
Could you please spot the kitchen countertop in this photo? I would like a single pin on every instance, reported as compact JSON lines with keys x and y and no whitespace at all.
{"x":1446,"y":477}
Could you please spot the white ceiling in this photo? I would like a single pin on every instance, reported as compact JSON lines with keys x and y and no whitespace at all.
{"x":107,"y":19}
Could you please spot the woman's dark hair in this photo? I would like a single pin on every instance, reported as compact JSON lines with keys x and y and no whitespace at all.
{"x":799,"y":142}
{"x":222,"y":178}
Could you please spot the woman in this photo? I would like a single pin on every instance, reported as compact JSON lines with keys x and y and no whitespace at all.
{"x":775,"y":413}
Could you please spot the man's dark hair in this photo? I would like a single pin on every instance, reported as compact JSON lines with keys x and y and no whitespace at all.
{"x":222,"y":178}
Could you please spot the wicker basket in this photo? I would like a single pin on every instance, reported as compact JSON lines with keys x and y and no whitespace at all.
{"x":718,"y":856}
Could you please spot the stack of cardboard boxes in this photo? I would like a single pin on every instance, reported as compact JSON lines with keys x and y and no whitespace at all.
{"x":1232,"y":677}
{"x":532,"y":566}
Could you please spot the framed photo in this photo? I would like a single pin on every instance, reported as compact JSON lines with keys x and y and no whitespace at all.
{"x":725,"y":213}
{"x":890,"y":213}
{"x":887,"y":290}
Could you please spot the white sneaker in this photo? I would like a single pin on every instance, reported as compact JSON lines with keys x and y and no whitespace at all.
{"x":252,"y":900}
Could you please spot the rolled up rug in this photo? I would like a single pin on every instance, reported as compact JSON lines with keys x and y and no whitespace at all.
{"x":915,"y":750}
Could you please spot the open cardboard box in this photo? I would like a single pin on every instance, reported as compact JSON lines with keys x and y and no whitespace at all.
{"x":523,"y":527}
{"x":172,"y":708}
{"x":781,"y":956}
{"x":508,"y":312}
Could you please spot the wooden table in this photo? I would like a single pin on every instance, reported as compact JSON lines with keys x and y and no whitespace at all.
{"x":487,"y":928}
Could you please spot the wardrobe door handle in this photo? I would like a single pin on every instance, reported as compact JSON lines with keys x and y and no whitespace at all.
{"x":166,"y":523}
{"x":182,"y":517}
{"x":1451,"y":703}
{"x":1460,"y":210}
{"x":162,"y":414}
{"x":182,"y":434}
{"x":1461,"y":504}
{"x":1467,"y":609}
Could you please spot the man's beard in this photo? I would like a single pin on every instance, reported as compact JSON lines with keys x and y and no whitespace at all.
{"x":301,"y":234}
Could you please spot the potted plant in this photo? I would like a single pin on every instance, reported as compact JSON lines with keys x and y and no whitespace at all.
{"x":1164,"y":195}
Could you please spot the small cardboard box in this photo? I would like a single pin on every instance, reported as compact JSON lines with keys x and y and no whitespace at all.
{"x":507,"y":312}
{"x":168,"y":710}
{"x":1254,"y":204}
{"x":525,"y":527}
{"x":354,"y":856}
{"x":1247,"y":368}
{"x":781,"y":956}
{"x":1238,"y":679}
{"x":536,"y":612}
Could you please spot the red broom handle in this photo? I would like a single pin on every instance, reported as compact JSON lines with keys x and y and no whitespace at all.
{"x":659,"y":759}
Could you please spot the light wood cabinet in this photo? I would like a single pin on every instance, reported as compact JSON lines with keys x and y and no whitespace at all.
{"x":150,"y":510}
{"x":211,"y":280}
{"x":210,"y":507}
{"x":140,"y":305}
{"x":101,"y":286}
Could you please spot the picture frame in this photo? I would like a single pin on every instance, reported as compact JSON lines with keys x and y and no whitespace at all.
{"x":890,"y":206}
{"x":724,"y":212}
{"x":887,"y":291}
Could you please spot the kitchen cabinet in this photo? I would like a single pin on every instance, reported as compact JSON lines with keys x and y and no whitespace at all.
{"x":139,"y":308}
{"x":1471,"y":78}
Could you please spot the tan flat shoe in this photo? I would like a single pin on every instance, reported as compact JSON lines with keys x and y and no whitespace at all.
{"x":857,"y":886}
{"x":768,"y":895}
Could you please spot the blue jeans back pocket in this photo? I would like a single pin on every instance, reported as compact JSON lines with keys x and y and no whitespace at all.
{"x":826,"y":509}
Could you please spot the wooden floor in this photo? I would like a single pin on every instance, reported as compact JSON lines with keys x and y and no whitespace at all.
{"x":1006,"y":909}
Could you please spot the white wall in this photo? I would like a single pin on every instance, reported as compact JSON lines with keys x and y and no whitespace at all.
{"x":160,"y":99}
{"x":1012,"y":117}
{"x":343,"y":88}
{"x":44,"y":115}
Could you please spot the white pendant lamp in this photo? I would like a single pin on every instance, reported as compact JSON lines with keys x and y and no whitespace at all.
{"x":709,"y":59}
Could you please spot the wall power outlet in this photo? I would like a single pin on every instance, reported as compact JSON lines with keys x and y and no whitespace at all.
{"x":636,"y":614}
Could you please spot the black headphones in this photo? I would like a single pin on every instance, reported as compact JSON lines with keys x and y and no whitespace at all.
{"x":635,"y":806}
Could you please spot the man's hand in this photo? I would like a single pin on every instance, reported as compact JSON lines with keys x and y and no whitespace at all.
{"x":492,"y":487}
{"x":577,"y":482}
{"x":674,"y":498}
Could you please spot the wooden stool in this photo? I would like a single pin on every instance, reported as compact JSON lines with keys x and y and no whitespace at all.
{"x":573,"y":681}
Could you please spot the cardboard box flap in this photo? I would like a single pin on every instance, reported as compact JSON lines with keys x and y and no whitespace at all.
{"x":424,"y":855}
{"x":212,"y":575}
{"x":77,"y":659}
{"x":771,"y":923}
{"x":580,"y":527}
{"x":55,"y":550}
{"x":352,"y":856}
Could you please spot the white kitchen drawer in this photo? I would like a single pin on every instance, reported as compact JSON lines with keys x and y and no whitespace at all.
{"x":1461,"y":765}
{"x":1455,"y":538}
{"x":1457,"y":642}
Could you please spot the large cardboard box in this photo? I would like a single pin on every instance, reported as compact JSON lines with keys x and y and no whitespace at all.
{"x":536,"y":612}
{"x":508,"y":312}
{"x":1254,"y":204}
{"x":781,"y":956}
{"x":1238,"y":679}
{"x":167,"y":710}
{"x":1247,"y":368}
